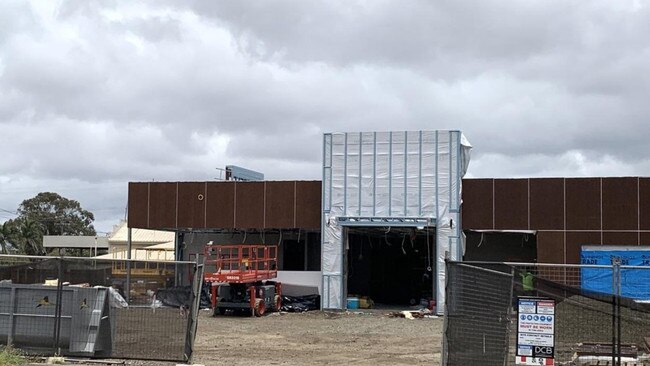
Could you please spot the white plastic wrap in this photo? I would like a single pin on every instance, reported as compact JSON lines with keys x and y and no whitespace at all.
{"x":414,"y":175}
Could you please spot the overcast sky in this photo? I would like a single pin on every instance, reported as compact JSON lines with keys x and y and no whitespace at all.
{"x":96,"y":94}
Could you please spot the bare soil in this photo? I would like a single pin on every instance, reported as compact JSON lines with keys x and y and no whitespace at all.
{"x":370,"y":337}
{"x":144,"y":333}
{"x":318,"y":338}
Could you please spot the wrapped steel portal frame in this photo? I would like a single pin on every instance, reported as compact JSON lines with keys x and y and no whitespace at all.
{"x":390,"y":179}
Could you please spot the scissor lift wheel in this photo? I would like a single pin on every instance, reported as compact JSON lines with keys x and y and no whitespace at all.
{"x":260,"y":307}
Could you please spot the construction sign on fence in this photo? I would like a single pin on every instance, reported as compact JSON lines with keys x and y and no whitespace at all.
{"x":535,"y":331}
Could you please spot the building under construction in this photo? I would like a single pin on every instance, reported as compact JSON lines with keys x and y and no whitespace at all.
{"x":390,"y":208}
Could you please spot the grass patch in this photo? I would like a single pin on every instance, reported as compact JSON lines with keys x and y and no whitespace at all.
{"x":11,"y":356}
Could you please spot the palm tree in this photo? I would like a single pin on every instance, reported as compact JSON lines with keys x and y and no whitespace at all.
{"x":30,"y":238}
{"x":5,"y":233}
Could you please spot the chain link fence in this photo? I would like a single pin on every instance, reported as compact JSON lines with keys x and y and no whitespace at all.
{"x":598,"y":320}
{"x":105,"y":308}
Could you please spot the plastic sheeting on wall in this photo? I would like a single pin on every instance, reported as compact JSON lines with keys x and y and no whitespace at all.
{"x":406,"y":174}
{"x":635,"y":282}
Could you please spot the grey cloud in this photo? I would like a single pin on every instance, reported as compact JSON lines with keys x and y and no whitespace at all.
{"x":572,"y":163}
{"x":15,"y":16}
{"x":156,"y":29}
{"x":97,"y":92}
{"x":398,"y":33}
{"x":97,"y":152}
{"x":295,"y":146}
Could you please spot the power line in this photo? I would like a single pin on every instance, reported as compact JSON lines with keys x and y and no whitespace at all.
{"x":9,"y":212}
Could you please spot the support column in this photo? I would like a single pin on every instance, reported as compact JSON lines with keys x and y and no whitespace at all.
{"x":305,"y":241}
{"x":127,"y":288}
{"x":178,"y":256}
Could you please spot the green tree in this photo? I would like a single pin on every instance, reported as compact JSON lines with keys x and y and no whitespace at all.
{"x":22,"y":236}
{"x":6,"y":230}
{"x":47,"y":214}
{"x":29,"y":238}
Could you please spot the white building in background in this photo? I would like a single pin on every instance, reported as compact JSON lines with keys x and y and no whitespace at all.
{"x":69,"y":244}
{"x":153,"y":245}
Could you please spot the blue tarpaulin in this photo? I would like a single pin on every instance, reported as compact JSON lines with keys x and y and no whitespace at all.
{"x":635,"y":283}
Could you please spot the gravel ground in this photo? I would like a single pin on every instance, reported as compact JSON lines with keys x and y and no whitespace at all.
{"x":316,"y":338}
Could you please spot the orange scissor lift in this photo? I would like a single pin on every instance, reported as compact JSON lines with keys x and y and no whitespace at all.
{"x":241,"y":278}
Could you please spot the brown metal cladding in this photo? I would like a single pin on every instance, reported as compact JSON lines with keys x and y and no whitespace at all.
{"x":547,"y":204}
{"x":644,"y":238}
{"x":620,"y":210}
{"x":550,"y":247}
{"x":225,"y":205}
{"x":138,"y":206}
{"x":162,"y":205}
{"x":574,"y":242}
{"x":308,"y":204}
{"x":477,"y":208}
{"x":220,"y":205}
{"x":191,"y":205}
{"x":583,"y":204}
{"x":298,"y":204}
{"x":511,"y":204}
{"x":644,"y":203}
{"x":280,"y":206}
{"x":249,"y":205}
{"x":620,"y":238}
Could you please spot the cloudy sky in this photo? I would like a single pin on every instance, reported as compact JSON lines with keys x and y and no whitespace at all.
{"x":94,"y":94}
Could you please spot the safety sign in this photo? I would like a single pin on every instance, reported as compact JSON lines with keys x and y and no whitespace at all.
{"x":535,"y":330}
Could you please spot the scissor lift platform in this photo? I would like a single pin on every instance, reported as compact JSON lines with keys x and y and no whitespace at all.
{"x":242,"y":276}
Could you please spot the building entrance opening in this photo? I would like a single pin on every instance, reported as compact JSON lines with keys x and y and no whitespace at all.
{"x":391,"y":266}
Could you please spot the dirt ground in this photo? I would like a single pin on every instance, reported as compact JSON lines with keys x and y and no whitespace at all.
{"x":318,"y":338}
{"x":161,"y":330}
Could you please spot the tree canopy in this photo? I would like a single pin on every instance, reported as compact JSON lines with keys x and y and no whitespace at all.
{"x":5,"y":236}
{"x":47,"y":213}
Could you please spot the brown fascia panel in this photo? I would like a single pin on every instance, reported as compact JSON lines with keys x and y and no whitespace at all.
{"x":225,"y":205}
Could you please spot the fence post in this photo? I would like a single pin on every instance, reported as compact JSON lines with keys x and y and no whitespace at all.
{"x":509,"y":315}
{"x":127,"y":287}
{"x":12,"y":322}
{"x":613,"y":313}
{"x":616,"y":326}
{"x":58,"y":306}
{"x":443,"y":351}
{"x":617,"y":264}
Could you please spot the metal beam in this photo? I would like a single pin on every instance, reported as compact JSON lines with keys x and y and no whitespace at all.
{"x":386,"y":221}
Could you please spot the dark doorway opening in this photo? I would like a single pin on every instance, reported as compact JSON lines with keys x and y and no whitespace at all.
{"x":301,"y":254}
{"x":493,"y":246}
{"x":293,"y":255}
{"x":392,"y":267}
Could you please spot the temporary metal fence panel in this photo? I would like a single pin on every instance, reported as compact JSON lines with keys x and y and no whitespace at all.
{"x":195,"y":301}
{"x":99,"y":308}
{"x":29,"y":317}
{"x":477,"y":316}
{"x":589,"y":326}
